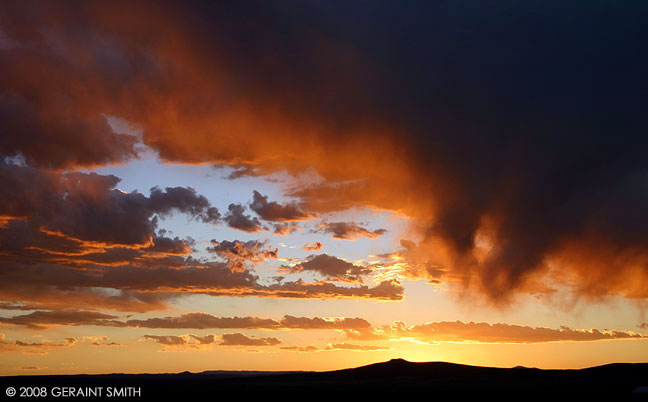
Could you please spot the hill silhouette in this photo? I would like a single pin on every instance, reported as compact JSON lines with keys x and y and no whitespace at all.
{"x":397,"y":376}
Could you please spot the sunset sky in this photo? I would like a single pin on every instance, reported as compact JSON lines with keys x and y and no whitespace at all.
{"x":314,"y":185}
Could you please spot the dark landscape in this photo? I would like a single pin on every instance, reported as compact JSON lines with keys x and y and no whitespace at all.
{"x":619,"y":381}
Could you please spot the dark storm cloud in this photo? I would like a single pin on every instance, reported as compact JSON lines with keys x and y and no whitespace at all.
{"x":237,"y":219}
{"x":349,"y":230}
{"x":513,"y":133}
{"x":273,"y":211}
{"x":72,"y":140}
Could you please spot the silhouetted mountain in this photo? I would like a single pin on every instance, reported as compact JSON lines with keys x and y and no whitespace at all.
{"x":397,"y":376}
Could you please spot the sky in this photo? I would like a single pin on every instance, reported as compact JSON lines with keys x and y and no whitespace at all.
{"x":307,"y":185}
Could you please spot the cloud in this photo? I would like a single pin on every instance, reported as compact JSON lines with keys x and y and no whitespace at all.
{"x":273,"y":211}
{"x":105,"y":344}
{"x":350,"y":346}
{"x":385,"y":290}
{"x":204,"y":321}
{"x":184,"y":200}
{"x":68,"y":238}
{"x":18,"y":306}
{"x":302,"y":349}
{"x":315,"y":247}
{"x":207,"y":321}
{"x":190,"y":340}
{"x":330,"y":267}
{"x":239,"y":339}
{"x":283,"y":229}
{"x":519,"y":173}
{"x":133,"y":288}
{"x":414,"y":262}
{"x":458,"y":331}
{"x":88,"y":210}
{"x":169,"y":246}
{"x":323,"y":323}
{"x":169,"y":340}
{"x":40,"y":319}
{"x":349,"y":230}
{"x":335,"y":346}
{"x":204,"y":340}
{"x":41,"y":346}
{"x":237,"y":252}
{"x":237,"y":219}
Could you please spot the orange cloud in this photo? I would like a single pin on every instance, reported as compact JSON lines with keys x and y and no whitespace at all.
{"x":239,"y":339}
{"x":315,"y":247}
{"x":457,"y":331}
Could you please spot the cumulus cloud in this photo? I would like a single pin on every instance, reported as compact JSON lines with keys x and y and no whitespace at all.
{"x":88,"y":209}
{"x":238,"y":339}
{"x":273,"y":211}
{"x":284,"y":229}
{"x":237,"y":252}
{"x":349,"y":230}
{"x":169,"y":340}
{"x":237,"y":219}
{"x":329,"y":267}
{"x":195,"y":341}
{"x":189,"y":340}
